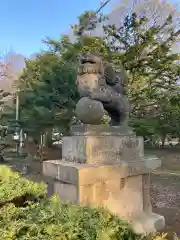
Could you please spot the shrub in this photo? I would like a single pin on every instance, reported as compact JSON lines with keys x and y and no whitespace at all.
{"x":52,"y":219}
{"x":55,"y":220}
{"x":12,"y":186}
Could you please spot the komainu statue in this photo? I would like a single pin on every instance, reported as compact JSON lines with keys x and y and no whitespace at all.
{"x":101,"y":89}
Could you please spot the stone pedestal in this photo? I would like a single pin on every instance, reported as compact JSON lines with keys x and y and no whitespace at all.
{"x":106,"y":167}
{"x":99,"y":144}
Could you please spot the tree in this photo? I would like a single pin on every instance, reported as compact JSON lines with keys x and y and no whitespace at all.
{"x":68,"y":50}
{"x":47,"y":84}
{"x":148,"y":59}
{"x":155,"y":10}
{"x":3,"y":126}
{"x":47,"y":95}
{"x":145,"y":50}
{"x":168,"y":115}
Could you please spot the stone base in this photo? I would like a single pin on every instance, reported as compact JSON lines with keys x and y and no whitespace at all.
{"x":102,"y":144}
{"x":148,"y":223}
{"x":101,"y":130}
{"x":105,"y":166}
{"x":121,"y":188}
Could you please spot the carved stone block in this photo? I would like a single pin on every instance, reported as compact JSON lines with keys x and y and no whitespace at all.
{"x":121,"y":188}
{"x":96,"y":145}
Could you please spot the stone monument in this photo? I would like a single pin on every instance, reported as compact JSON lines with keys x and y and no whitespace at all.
{"x":105,"y":165}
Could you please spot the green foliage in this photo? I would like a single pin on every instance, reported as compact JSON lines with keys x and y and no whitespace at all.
{"x":144,"y":127}
{"x":153,"y":73}
{"x":53,"y":219}
{"x":48,"y":93}
{"x":13,"y":186}
{"x":146,"y":52}
{"x":3,"y":95}
{"x":87,"y":22}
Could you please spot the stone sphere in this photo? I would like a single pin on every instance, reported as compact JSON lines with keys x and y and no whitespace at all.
{"x":89,"y":111}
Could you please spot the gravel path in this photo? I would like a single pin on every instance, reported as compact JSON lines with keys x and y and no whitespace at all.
{"x":165,"y":198}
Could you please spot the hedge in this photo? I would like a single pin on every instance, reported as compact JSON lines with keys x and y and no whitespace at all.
{"x":14,"y":187}
{"x":53,"y":219}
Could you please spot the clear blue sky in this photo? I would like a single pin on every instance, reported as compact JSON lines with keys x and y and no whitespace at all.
{"x":23,"y":23}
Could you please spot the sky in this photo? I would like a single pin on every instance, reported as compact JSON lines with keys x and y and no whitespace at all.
{"x":23,"y":23}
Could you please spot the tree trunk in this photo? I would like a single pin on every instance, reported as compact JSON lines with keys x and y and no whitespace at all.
{"x":48,"y":138}
{"x":163,"y":138}
{"x":30,"y":148}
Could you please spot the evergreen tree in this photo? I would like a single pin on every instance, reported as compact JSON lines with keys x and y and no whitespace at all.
{"x":47,"y":94}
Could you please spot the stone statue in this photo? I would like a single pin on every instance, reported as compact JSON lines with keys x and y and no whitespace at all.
{"x":107,"y":161}
{"x":101,"y":89}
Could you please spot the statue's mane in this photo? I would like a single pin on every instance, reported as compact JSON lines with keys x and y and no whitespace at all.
{"x":111,"y":75}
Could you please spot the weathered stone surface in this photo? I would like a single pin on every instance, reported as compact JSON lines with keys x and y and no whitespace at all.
{"x":106,"y":167}
{"x":98,"y":81}
{"x":66,"y":192}
{"x":101,"y":130}
{"x":121,"y":188}
{"x":97,"y":144}
{"x":102,"y":149}
{"x":89,"y":111}
{"x":83,"y":174}
{"x":148,"y":223}
{"x":127,"y":201}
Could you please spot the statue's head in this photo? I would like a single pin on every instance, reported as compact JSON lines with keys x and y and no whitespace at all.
{"x":90,"y":63}
{"x":90,"y":72}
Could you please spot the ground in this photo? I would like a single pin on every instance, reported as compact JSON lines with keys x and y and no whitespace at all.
{"x":165,"y":184}
{"x":165,"y":189}
{"x":165,"y":192}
